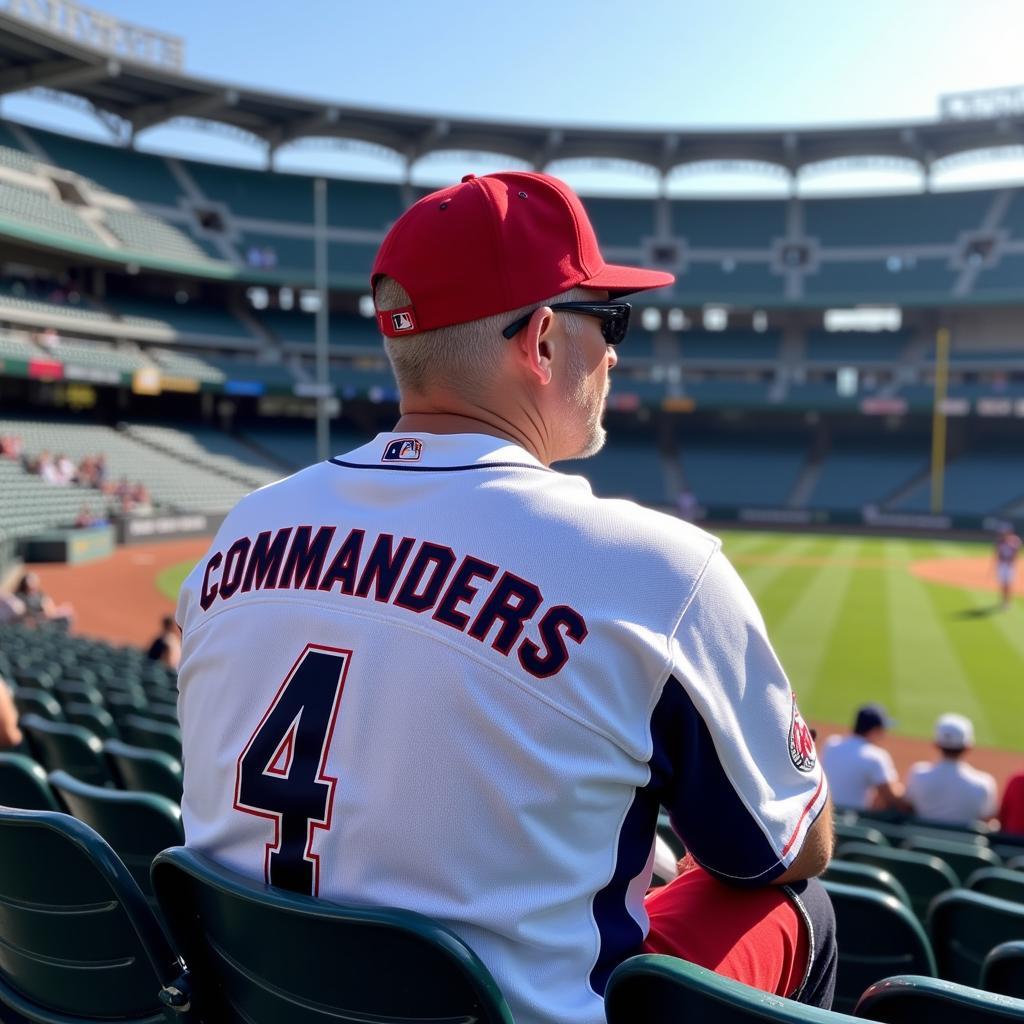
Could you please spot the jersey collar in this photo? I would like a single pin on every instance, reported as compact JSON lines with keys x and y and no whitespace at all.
{"x":438,"y":451}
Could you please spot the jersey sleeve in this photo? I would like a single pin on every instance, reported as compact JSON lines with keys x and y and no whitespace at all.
{"x":733,"y":762}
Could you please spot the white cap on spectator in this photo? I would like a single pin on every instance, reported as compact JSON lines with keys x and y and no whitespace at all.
{"x":954,"y":732}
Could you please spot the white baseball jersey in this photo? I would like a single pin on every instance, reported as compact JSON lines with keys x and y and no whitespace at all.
{"x":951,"y":791}
{"x":434,"y":674}
{"x":854,"y":768}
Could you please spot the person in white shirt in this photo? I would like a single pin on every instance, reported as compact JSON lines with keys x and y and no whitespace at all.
{"x":949,"y":789}
{"x":437,"y":637}
{"x":860,"y":773}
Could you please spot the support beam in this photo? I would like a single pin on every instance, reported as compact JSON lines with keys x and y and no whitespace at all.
{"x":201,"y":105}
{"x":56,"y":74}
{"x":302,"y":127}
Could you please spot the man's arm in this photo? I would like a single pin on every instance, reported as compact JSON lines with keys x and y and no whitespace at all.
{"x":10,"y":734}
{"x":815,"y":853}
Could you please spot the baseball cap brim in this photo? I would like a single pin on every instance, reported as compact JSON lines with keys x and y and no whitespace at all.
{"x":618,"y":280}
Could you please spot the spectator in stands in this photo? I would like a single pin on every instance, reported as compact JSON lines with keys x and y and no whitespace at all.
{"x":67,"y":471}
{"x":87,"y":517}
{"x":12,"y":609}
{"x":686,"y":502}
{"x":949,"y":789}
{"x":1011,"y":810}
{"x":10,"y":734}
{"x":39,"y":606}
{"x":11,"y":446}
{"x":100,"y":471}
{"x":48,"y":339}
{"x":860,"y":773}
{"x":141,"y":501}
{"x":166,"y":646}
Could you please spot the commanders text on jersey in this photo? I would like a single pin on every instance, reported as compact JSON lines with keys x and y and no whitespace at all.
{"x":294,"y":557}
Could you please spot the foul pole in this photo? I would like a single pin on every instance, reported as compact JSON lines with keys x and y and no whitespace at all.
{"x":939,"y":418}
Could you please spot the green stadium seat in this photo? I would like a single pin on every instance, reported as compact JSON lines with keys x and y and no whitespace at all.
{"x":1003,"y":970}
{"x":96,"y":719}
{"x":73,"y":691}
{"x":161,"y":711}
{"x":859,"y":833}
{"x":998,"y":882}
{"x":148,"y":732}
{"x":23,"y":784}
{"x":261,"y":955}
{"x":914,"y":1000}
{"x":79,"y":942}
{"x":655,"y":989}
{"x":59,"y":746}
{"x":1016,"y":863}
{"x":965,"y":926}
{"x":145,"y":770}
{"x":327,"y":962}
{"x":922,"y":875}
{"x":867,"y":876}
{"x":124,"y":703}
{"x":33,"y":701}
{"x":963,"y":857}
{"x":137,"y":825}
{"x":878,"y":936}
{"x":34,"y":678}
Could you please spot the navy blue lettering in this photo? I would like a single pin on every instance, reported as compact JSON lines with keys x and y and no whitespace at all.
{"x":514,"y":601}
{"x":346,"y":564}
{"x":306,"y":559}
{"x":265,"y":561}
{"x":556,"y":655}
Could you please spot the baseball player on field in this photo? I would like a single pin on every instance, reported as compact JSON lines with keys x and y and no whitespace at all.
{"x":435,"y":673}
{"x":1007,"y":550}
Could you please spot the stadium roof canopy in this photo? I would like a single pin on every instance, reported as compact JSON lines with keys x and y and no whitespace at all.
{"x":140,"y":97}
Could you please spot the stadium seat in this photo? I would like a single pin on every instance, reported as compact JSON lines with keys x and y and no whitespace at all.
{"x":1003,"y":970}
{"x":79,"y":941}
{"x":122,"y":703}
{"x":162,"y":711}
{"x":96,"y":719}
{"x":915,"y":1000}
{"x":144,"y":770}
{"x":867,"y":876}
{"x":998,"y":882}
{"x":23,"y":784}
{"x":963,"y":857}
{"x":877,"y":936}
{"x":32,"y":701}
{"x":267,"y":956}
{"x":1016,"y":863}
{"x":148,"y":732}
{"x":965,"y":926}
{"x":60,"y":746}
{"x":922,"y":875}
{"x":655,"y":989}
{"x":859,"y":833}
{"x":77,"y":692}
{"x":137,"y":825}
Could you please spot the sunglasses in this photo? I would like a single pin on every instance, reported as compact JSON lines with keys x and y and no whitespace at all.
{"x":614,"y":317}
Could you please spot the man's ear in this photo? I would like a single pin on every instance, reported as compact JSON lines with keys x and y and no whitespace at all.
{"x":534,"y":344}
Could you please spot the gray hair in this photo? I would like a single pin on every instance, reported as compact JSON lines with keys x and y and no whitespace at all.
{"x":462,"y":358}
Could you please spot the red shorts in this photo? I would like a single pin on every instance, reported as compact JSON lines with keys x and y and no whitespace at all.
{"x":756,"y":936}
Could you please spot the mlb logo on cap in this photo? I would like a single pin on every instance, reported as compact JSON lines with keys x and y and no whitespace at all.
{"x":405,"y":449}
{"x":402,"y":321}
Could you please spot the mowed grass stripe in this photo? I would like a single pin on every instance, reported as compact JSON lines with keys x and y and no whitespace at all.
{"x":928,"y":671}
{"x":779,"y":568}
{"x":803,"y":632}
{"x":991,"y":663}
{"x":855,"y":666}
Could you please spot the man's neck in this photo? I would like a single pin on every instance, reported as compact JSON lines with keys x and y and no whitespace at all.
{"x":424,"y":422}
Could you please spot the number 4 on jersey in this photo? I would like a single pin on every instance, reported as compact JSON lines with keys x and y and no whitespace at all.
{"x":280,"y":773}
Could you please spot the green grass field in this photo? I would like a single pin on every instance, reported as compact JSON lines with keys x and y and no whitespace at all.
{"x":851,"y":623}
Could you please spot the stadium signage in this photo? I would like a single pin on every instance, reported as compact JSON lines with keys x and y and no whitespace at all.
{"x":994,"y":406}
{"x":883,"y":406}
{"x":100,"y":31}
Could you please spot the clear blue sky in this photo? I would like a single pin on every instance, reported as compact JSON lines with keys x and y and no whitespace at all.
{"x":644,"y":62}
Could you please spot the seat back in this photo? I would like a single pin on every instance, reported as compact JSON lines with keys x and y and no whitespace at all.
{"x":868,"y":876}
{"x":912,"y":1000}
{"x":877,"y":936}
{"x":1003,"y":970}
{"x":79,"y":941}
{"x":23,"y":784}
{"x":655,"y":989}
{"x":147,"y":732}
{"x":97,"y":720}
{"x":858,"y":832}
{"x":998,"y":882}
{"x":965,"y":926}
{"x":963,"y":857}
{"x":59,"y":746}
{"x":145,"y":771}
{"x":30,"y":700}
{"x":267,"y":956}
{"x":137,"y":825}
{"x":922,"y":875}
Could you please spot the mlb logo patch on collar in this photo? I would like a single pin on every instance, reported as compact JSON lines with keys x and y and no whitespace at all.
{"x":404,"y":449}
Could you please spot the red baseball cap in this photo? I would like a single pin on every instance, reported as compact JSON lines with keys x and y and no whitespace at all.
{"x":493,"y":244}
